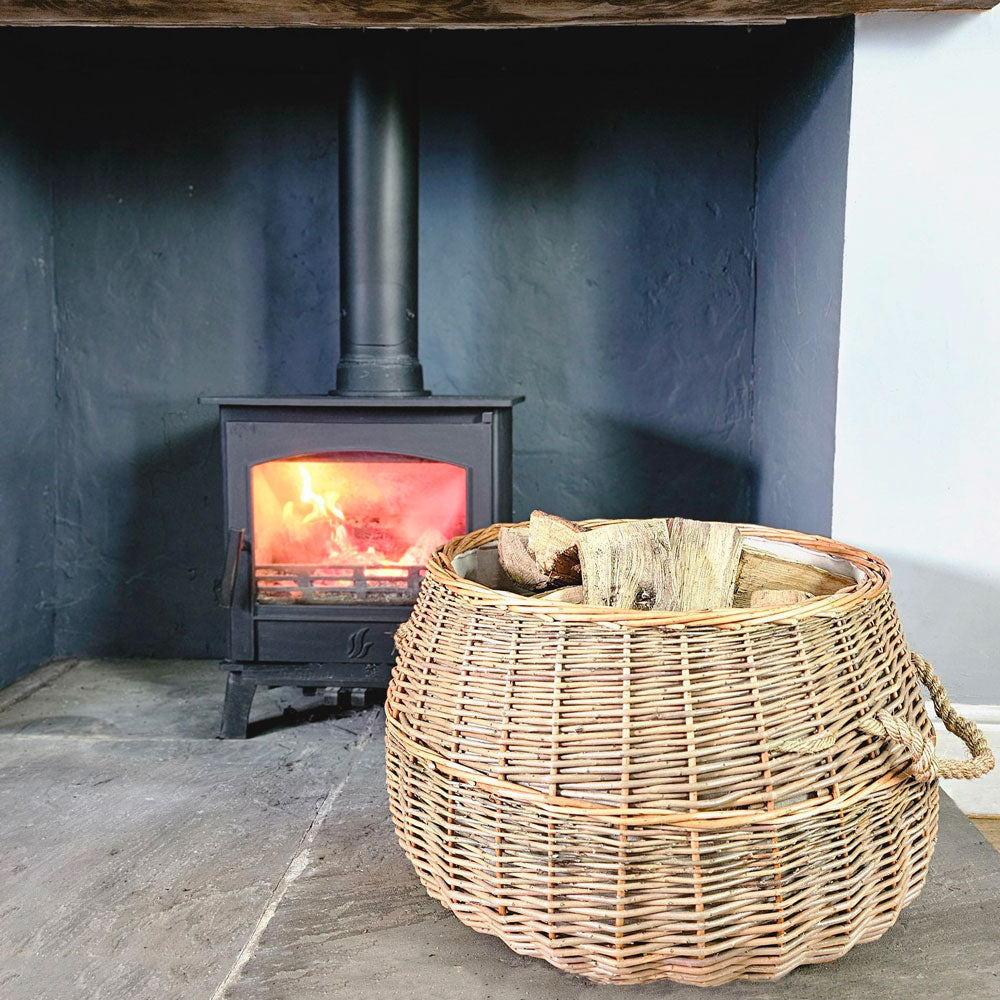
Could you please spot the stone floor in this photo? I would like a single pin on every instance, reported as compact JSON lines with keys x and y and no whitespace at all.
{"x":142,"y":858}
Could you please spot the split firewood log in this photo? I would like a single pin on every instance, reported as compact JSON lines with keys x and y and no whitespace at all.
{"x":566,"y":595}
{"x":552,"y":542}
{"x":516,"y":561}
{"x":628,"y":565}
{"x":706,"y":561}
{"x":777,"y":598}
{"x":676,"y":565}
{"x":761,"y":570}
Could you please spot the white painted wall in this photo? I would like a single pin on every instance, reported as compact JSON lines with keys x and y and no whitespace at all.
{"x":917,"y":468}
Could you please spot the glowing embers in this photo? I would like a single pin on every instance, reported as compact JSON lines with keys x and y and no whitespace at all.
{"x":351,"y":527}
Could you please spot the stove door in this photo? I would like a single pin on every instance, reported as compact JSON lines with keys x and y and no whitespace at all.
{"x":351,"y":527}
{"x":340,"y":509}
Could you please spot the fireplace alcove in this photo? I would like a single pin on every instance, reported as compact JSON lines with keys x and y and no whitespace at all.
{"x":640,"y":230}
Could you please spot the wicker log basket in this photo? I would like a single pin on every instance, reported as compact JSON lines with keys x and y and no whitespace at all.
{"x":644,"y":795}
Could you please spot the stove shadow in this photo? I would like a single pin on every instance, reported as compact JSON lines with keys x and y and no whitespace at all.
{"x":141,"y":545}
{"x":619,"y":469}
{"x":309,"y":706}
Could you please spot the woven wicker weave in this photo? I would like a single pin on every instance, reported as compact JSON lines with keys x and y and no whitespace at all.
{"x":637,"y":795}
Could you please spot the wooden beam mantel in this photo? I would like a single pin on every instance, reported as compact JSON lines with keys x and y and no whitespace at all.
{"x":444,"y":13}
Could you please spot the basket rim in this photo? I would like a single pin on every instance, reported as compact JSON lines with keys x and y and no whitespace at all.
{"x":876,"y":576}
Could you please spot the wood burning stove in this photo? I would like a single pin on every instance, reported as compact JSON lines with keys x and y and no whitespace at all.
{"x":332,"y":506}
{"x":333,"y":503}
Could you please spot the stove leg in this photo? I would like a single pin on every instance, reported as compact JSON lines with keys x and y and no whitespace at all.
{"x":236,"y":709}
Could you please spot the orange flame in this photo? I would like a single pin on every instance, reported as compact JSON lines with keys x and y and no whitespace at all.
{"x":323,"y":507}
{"x":370,"y":510}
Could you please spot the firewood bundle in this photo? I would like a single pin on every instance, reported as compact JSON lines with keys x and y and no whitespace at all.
{"x":659,"y":564}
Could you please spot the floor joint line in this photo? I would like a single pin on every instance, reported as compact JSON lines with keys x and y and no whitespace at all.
{"x":296,"y":866}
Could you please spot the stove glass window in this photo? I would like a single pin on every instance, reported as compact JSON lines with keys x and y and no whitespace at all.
{"x":351,"y":527}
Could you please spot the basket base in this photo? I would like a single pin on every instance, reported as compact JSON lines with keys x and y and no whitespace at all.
{"x":626,"y":905}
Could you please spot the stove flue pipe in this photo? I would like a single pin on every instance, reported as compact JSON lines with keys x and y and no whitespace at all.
{"x":378,"y":222}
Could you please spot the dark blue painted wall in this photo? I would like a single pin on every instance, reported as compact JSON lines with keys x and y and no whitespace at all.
{"x":27,"y":396}
{"x":804,"y":125}
{"x":196,"y":252}
{"x":587,"y":239}
{"x":586,"y":234}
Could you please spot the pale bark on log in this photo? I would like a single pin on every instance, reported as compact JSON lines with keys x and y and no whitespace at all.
{"x":764,"y":571}
{"x":565,"y":595}
{"x":516,"y":561}
{"x":552,"y":541}
{"x":628,"y":565}
{"x":706,"y":557}
{"x":777,"y":598}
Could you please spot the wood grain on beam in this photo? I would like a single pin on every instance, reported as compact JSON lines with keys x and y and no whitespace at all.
{"x":444,"y":13}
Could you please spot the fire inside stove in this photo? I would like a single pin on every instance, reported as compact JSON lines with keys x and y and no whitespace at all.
{"x":351,"y":527}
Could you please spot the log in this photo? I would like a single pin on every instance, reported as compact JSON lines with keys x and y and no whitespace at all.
{"x":516,"y":561}
{"x":763,"y":571}
{"x":552,"y":542}
{"x":777,"y":598}
{"x":628,"y":565}
{"x":706,"y":558}
{"x":565,"y":595}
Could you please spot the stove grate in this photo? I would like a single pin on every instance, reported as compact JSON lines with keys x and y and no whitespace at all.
{"x":338,"y":584}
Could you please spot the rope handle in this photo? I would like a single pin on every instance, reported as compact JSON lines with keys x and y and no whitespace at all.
{"x":925,"y":764}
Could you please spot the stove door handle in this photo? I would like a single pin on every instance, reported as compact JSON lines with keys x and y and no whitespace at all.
{"x":234,"y":548}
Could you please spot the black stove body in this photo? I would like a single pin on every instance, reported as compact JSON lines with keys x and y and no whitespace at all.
{"x":320,"y":626}
{"x":318,"y":576}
